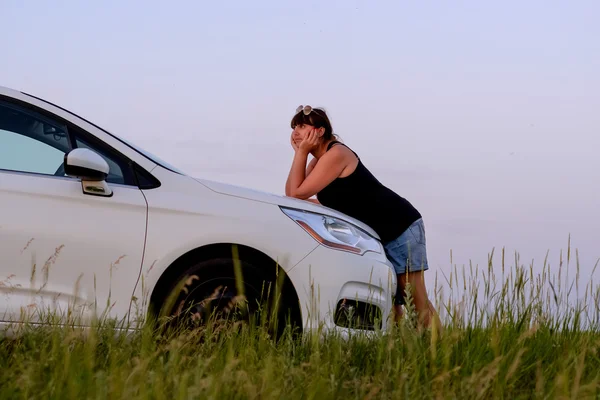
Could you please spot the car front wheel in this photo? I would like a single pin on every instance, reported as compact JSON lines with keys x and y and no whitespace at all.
{"x":223,"y":290}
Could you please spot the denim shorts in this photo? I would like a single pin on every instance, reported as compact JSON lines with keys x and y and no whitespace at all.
{"x":408,"y":251}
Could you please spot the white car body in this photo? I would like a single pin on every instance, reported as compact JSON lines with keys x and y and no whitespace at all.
{"x":65,"y":249}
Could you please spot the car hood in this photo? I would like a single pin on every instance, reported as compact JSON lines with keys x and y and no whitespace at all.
{"x":270,"y":198}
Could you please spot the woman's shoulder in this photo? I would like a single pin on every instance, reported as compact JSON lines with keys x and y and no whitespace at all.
{"x":341,"y":149}
{"x":341,"y":154}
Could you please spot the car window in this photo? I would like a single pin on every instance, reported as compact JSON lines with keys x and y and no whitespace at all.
{"x":31,"y":143}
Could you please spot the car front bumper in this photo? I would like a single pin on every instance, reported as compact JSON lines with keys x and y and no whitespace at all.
{"x":344,"y":292}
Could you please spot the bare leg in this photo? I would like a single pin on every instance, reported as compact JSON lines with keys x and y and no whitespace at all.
{"x":397,"y":312}
{"x":423,"y":306}
{"x":398,"y":307}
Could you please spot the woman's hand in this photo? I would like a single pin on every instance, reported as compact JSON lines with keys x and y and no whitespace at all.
{"x":294,"y":145}
{"x":310,"y":141}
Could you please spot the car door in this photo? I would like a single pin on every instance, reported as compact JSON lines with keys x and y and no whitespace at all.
{"x":63,"y":253}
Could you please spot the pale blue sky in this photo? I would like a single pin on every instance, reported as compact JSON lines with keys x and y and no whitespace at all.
{"x":484,"y":115}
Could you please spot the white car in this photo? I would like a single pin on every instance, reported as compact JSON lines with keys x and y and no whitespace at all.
{"x":91,"y":225}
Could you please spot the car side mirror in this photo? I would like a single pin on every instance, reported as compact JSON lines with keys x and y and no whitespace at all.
{"x":91,"y":168}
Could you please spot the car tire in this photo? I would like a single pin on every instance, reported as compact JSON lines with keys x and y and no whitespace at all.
{"x":208,"y":291}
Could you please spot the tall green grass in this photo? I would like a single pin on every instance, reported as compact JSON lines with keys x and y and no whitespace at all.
{"x":509,"y":332}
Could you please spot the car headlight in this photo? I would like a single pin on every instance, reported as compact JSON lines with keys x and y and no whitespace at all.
{"x":335,"y":233}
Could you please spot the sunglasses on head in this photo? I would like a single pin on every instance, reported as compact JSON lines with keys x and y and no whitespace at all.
{"x":305,"y":109}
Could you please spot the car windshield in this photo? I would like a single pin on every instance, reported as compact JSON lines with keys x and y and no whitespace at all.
{"x":147,"y":154}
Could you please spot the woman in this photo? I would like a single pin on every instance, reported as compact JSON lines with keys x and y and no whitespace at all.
{"x":340,"y":181}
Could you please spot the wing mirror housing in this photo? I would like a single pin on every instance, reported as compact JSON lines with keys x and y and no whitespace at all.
{"x":91,"y":169}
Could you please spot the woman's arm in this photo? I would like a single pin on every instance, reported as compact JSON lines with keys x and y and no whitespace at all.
{"x":297,"y":172}
{"x":309,"y":168}
{"x":329,"y":167}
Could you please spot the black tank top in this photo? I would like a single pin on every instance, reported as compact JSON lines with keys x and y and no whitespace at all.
{"x":361,"y":196}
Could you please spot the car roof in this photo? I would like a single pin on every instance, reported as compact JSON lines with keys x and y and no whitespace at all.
{"x":10,"y":91}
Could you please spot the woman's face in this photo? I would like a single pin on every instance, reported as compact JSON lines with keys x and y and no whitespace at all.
{"x":300,"y":132}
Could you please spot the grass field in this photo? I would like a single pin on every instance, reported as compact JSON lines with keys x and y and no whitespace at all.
{"x":515,"y":334}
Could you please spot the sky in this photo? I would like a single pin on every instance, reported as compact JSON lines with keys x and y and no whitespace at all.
{"x":484,"y":115}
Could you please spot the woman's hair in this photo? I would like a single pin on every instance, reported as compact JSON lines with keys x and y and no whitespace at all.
{"x":317,"y":118}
